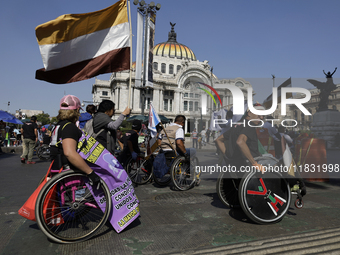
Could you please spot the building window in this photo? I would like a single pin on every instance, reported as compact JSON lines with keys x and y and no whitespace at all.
{"x":171,"y":69}
{"x":191,"y":106}
{"x":167,"y":105}
{"x":163,"y":68}
{"x":196,"y":106}
{"x":186,"y":94}
{"x":155,"y":65}
{"x":239,"y":84}
{"x":197,"y":95}
{"x":105,"y":93}
{"x":185,"y":106}
{"x":178,"y":68}
{"x":191,"y":95}
{"x":334,"y":107}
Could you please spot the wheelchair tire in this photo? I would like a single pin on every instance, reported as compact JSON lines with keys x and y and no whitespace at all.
{"x":139,"y":172}
{"x":183,"y":174}
{"x":264,"y":198}
{"x":227,"y":190}
{"x":164,"y":181}
{"x":43,"y":152}
{"x":75,"y":216}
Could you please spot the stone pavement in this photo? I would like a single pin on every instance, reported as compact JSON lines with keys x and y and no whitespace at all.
{"x":175,"y":222}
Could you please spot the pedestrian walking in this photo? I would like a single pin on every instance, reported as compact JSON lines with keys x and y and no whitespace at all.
{"x":29,"y":131}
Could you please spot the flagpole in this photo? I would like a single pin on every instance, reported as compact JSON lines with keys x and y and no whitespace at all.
{"x":129,"y":98}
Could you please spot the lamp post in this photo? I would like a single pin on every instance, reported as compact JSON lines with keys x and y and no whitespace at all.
{"x":145,"y":9}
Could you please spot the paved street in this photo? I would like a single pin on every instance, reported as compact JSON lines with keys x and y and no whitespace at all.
{"x":174,"y":222}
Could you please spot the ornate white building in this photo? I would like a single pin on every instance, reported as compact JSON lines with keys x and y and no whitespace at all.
{"x":176,"y":73}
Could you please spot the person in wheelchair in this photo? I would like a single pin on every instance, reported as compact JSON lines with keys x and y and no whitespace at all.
{"x":130,"y":143}
{"x":64,"y":140}
{"x":243,"y":141}
{"x":174,"y":134}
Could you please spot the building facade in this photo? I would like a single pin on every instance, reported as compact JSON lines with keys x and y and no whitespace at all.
{"x":176,"y":77}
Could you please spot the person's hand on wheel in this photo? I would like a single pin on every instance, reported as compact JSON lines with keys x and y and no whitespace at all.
{"x":187,"y":157}
{"x":94,"y":180}
{"x":259,"y":167}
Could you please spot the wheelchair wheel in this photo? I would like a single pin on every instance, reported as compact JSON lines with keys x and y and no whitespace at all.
{"x":67,"y":212}
{"x":43,"y":152}
{"x":264,"y":198}
{"x":164,"y":181}
{"x":140,"y":171}
{"x":183,"y":173}
{"x":227,"y":190}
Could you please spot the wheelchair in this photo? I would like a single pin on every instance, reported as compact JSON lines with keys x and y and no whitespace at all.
{"x":66,"y":211}
{"x":181,"y":172}
{"x":264,"y":198}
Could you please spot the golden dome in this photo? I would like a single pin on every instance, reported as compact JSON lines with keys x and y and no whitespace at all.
{"x":172,"y":48}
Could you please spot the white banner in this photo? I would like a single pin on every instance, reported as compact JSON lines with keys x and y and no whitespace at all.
{"x":139,"y":50}
{"x":149,"y":49}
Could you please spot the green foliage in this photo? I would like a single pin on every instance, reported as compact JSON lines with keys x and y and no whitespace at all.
{"x":126,"y":125}
{"x":44,"y":118}
{"x":187,"y":135}
{"x":54,"y":120}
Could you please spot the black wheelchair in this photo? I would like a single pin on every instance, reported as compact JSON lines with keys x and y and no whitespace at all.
{"x":264,"y":198}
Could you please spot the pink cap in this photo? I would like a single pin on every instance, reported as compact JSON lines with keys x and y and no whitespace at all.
{"x":72,"y":102}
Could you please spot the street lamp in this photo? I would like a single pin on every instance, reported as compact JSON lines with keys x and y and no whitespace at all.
{"x":145,"y":9}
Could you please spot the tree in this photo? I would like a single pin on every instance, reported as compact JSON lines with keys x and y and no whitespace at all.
{"x":44,"y":118}
{"x":54,"y":120}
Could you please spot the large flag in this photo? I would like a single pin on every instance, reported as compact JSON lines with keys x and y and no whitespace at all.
{"x":77,"y":47}
{"x":154,"y":120}
{"x":268,"y":101}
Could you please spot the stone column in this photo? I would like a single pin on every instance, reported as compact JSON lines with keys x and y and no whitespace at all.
{"x":186,"y":126}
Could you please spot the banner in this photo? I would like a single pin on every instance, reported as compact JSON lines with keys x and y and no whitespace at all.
{"x":150,"y":32}
{"x":139,"y":51}
{"x":125,"y":204}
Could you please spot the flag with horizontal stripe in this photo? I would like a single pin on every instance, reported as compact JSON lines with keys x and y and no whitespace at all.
{"x":77,"y":47}
{"x":268,"y":101}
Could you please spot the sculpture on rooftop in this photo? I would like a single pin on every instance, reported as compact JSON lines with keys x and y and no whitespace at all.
{"x":325,"y":90}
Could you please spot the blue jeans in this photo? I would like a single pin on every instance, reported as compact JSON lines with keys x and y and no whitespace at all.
{"x":194,"y":141}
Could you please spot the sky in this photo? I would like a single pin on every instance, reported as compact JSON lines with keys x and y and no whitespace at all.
{"x":239,"y":38}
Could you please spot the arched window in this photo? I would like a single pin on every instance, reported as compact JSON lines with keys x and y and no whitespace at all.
{"x":171,"y":69}
{"x":155,"y":65}
{"x":178,"y":68}
{"x":163,"y":68}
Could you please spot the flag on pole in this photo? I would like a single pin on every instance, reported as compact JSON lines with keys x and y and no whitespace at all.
{"x":77,"y":47}
{"x":268,"y":101}
{"x":154,"y":120}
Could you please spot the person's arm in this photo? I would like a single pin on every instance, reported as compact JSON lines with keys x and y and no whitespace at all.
{"x":36,"y":134}
{"x":242,"y":144}
{"x":180,"y":145}
{"x":220,"y":143}
{"x":69,"y":148}
{"x":115,"y":124}
{"x":120,"y":145}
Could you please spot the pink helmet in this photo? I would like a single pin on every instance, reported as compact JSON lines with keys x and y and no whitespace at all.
{"x":71,"y":101}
